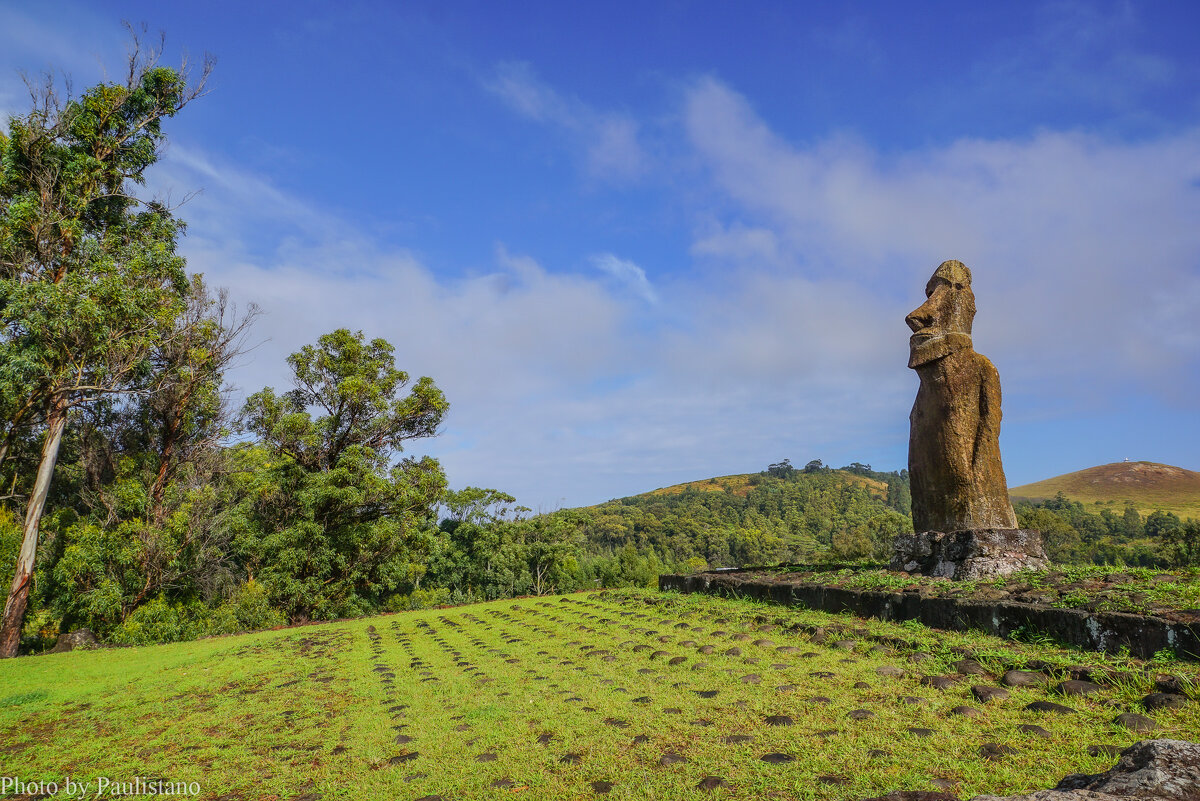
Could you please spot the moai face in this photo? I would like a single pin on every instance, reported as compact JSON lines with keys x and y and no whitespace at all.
{"x":942,"y":324}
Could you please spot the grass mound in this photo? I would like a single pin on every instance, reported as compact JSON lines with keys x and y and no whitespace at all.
{"x":617,"y":694}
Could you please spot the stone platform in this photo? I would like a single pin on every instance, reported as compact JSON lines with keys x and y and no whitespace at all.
{"x":1143,"y":635}
{"x":970,"y":554}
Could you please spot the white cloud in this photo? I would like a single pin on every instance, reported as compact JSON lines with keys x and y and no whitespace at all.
{"x":561,"y":386}
{"x":1073,"y":237}
{"x":628,"y":274}
{"x":608,"y":140}
{"x":515,"y":83}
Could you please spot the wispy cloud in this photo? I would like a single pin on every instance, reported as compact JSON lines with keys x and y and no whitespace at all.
{"x":1076,"y":50}
{"x":628,"y":274}
{"x":561,"y":387}
{"x":608,"y":140}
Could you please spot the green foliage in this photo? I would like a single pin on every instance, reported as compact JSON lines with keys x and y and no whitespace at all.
{"x":1184,"y":543}
{"x":330,"y":520}
{"x":161,"y":621}
{"x":101,"y":571}
{"x":249,"y":609}
{"x":852,"y":544}
{"x":89,"y":277}
{"x":1162,"y":525}
{"x":782,"y":469}
{"x":1076,"y":534}
{"x":96,"y":575}
{"x":418,"y":599}
{"x":10,"y":541}
{"x":792,"y":519}
{"x":90,"y":283}
{"x":355,"y":387}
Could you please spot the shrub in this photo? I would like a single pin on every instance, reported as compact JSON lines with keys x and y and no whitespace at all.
{"x":248,"y":609}
{"x":418,"y":599}
{"x":159,"y":621}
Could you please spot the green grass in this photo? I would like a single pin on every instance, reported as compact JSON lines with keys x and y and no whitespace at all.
{"x":311,"y":712}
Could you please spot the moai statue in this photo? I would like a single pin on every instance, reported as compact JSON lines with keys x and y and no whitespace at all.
{"x":958,"y":485}
{"x":954,"y":440}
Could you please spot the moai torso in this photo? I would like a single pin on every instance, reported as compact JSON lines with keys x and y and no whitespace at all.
{"x":954,"y":447}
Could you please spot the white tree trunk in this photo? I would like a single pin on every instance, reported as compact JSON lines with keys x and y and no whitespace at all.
{"x":18,"y":595}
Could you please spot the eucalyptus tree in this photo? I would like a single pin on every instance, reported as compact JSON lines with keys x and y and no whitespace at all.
{"x":90,"y":282}
{"x":150,"y":481}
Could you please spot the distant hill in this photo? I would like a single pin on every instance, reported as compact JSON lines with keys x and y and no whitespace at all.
{"x":1147,"y":485}
{"x":783,"y":514}
{"x":740,"y":484}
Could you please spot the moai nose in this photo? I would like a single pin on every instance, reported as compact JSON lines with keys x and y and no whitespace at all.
{"x":919,"y":319}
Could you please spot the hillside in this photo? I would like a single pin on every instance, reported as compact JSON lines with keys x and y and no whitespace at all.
{"x":740,"y":484}
{"x":780,"y":515}
{"x":1147,"y":485}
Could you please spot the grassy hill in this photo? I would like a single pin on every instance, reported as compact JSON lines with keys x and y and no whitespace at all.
{"x":1147,"y":485}
{"x":741,"y":484}
{"x":737,"y":484}
{"x":756,"y":518}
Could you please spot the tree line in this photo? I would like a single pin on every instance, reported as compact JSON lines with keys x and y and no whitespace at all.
{"x":1098,"y":534}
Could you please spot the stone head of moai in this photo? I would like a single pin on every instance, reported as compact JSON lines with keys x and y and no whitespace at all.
{"x":942,"y":323}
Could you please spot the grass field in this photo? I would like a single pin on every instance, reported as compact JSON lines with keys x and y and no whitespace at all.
{"x":631,"y":695}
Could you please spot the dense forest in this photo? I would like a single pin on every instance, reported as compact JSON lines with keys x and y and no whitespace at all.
{"x":136,"y":501}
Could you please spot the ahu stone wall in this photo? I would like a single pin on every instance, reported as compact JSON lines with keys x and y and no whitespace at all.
{"x":1144,"y":635}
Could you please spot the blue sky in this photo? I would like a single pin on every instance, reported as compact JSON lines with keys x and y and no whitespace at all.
{"x":643,"y":243}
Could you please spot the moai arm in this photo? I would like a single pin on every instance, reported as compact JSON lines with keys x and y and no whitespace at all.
{"x":987,"y":433}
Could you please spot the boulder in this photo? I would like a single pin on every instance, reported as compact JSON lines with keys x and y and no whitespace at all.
{"x":1163,"y":770}
{"x":77,"y":640}
{"x":1053,"y":795}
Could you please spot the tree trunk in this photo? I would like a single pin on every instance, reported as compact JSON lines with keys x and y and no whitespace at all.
{"x":158,"y":489}
{"x":18,"y":596}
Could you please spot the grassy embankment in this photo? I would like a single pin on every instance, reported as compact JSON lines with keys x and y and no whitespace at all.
{"x":553,"y":698}
{"x":1093,"y":588}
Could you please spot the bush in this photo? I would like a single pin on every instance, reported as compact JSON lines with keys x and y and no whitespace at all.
{"x":248,"y":609}
{"x":852,"y":544}
{"x":159,"y":621}
{"x":418,"y":599}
